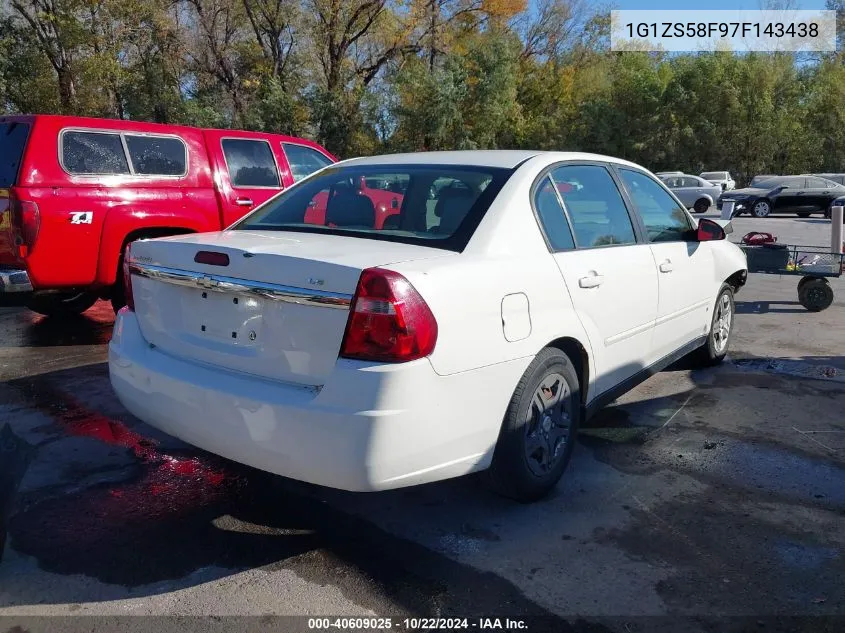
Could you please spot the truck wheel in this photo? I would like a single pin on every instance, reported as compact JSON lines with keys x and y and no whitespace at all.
{"x":538,"y":433}
{"x":60,"y":304}
{"x":803,"y":214}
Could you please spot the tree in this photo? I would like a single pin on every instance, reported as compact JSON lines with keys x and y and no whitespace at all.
{"x":58,"y":31}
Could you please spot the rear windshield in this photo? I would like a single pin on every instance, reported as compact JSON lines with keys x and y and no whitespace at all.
{"x":429,"y":205}
{"x":12,"y":143}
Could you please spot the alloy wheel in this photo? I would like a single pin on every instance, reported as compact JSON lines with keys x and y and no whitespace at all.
{"x":722,"y":324}
{"x":761,"y":209}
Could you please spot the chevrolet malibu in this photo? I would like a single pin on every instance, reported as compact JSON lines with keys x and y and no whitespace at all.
{"x":472,"y":331}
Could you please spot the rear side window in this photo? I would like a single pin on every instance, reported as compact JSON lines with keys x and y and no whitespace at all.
{"x":595,"y":206}
{"x":551,"y":216}
{"x":157,"y":155}
{"x":304,"y":160}
{"x":93,"y":153}
{"x":817,"y":183}
{"x":12,"y":143}
{"x":251,"y":163}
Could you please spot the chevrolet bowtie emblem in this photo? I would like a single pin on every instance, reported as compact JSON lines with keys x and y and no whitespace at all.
{"x":207,"y":282}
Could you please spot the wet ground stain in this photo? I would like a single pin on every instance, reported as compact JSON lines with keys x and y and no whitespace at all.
{"x":186,"y":510}
{"x":793,"y":571}
{"x":29,"y":329}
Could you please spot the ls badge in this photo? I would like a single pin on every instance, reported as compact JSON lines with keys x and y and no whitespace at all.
{"x":81,"y":217}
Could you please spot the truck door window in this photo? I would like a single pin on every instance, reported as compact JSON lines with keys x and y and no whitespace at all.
{"x":157,"y":155}
{"x":93,"y":153}
{"x":250,"y":163}
{"x":304,"y":160}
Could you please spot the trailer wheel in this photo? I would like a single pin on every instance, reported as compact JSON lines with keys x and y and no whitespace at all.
{"x":815,"y":294}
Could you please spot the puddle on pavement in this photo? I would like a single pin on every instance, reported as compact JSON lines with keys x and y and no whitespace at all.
{"x":713,"y":457}
{"x":25,"y":328}
{"x":796,"y":368}
{"x":733,"y":555}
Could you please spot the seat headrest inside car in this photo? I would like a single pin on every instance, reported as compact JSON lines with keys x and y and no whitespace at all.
{"x":348,"y":208}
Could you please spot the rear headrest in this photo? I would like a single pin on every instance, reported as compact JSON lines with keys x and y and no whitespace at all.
{"x":347,"y":208}
{"x":451,"y":198}
{"x":452,"y":207}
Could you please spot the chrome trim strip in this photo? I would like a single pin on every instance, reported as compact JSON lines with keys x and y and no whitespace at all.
{"x":219,"y":283}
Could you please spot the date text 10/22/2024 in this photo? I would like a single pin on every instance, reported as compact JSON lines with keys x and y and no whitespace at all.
{"x":416,"y":624}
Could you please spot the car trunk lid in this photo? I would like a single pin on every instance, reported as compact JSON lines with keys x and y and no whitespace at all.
{"x":275,"y":306}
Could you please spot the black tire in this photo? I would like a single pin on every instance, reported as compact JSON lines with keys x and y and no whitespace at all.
{"x":701,"y":206}
{"x":61,"y":304}
{"x":829,"y":214}
{"x":713,"y":351}
{"x":802,"y":281}
{"x":815,"y":294}
{"x":761,"y":208}
{"x":528,"y":477}
{"x":118,"y":293}
{"x":803,"y":214}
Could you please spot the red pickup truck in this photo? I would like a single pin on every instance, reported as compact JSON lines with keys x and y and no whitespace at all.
{"x":75,"y":191}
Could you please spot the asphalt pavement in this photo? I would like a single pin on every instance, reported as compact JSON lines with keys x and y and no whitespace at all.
{"x":701,"y":494}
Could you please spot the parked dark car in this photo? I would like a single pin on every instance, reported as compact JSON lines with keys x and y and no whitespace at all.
{"x":758,"y":179}
{"x":837,"y":178}
{"x":802,"y":195}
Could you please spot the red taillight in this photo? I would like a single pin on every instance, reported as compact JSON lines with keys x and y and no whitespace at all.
{"x":26,"y":220}
{"x":388,"y":321}
{"x":127,"y":278}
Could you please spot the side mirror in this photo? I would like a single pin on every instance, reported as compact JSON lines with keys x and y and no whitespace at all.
{"x":708,"y":231}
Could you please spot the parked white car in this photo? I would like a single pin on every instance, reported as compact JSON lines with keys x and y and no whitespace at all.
{"x":720,"y":178}
{"x":475,"y":331}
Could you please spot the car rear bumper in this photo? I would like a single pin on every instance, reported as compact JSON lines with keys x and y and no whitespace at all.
{"x":14,"y":281}
{"x":370,"y":427}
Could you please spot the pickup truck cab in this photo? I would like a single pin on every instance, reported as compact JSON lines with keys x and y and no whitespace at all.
{"x":75,"y":191}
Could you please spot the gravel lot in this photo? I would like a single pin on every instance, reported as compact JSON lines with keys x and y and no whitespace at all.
{"x":700,"y":494}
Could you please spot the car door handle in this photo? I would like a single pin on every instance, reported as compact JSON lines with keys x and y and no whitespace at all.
{"x":243,"y":202}
{"x":799,"y":193}
{"x":593,"y":280}
{"x":666,"y":267}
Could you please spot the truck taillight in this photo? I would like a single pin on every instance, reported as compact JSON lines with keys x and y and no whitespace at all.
{"x":388,"y":320}
{"x":127,"y":278}
{"x":26,"y":220}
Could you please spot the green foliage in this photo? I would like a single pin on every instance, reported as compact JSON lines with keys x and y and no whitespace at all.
{"x":369,"y":76}
{"x":468,"y":101}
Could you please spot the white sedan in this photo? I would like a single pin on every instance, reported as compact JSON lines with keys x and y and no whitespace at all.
{"x":333,"y":339}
